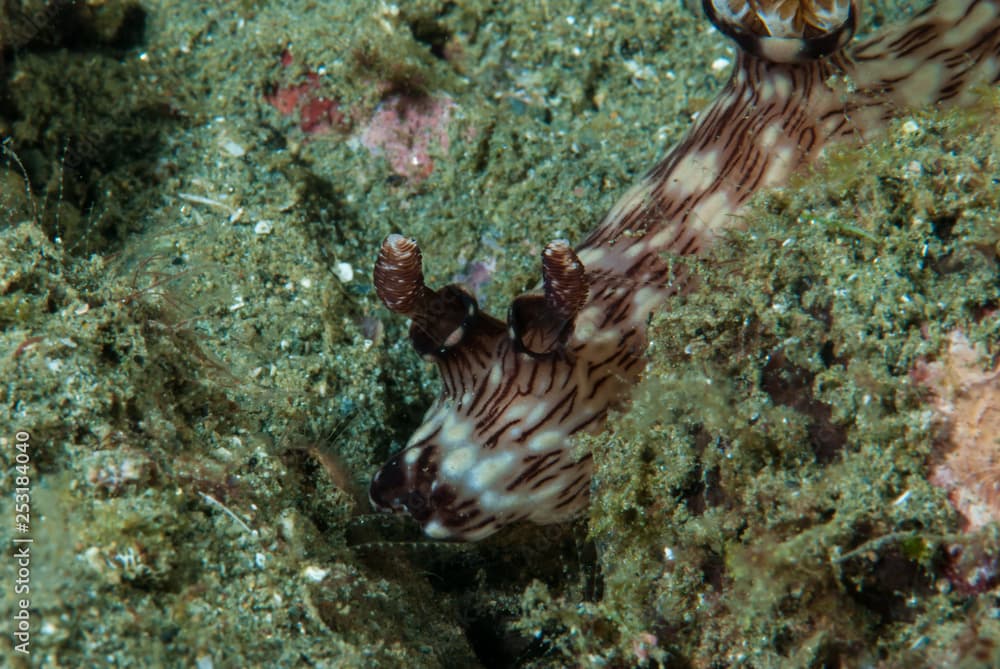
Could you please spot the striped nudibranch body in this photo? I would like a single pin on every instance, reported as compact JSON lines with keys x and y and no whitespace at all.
{"x":495,"y":446}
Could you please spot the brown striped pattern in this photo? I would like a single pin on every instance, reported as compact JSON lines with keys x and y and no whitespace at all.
{"x":495,"y":447}
{"x":785,"y":18}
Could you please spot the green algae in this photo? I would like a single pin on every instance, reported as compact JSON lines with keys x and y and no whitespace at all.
{"x":777,"y":510}
{"x":180,"y":368}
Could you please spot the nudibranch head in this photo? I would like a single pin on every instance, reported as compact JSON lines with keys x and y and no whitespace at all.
{"x":785,"y":31}
{"x":493,"y":449}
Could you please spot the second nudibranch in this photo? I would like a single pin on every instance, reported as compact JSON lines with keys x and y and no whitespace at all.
{"x":495,"y":447}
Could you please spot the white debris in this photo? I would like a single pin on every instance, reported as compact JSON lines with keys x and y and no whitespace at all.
{"x":719,"y":64}
{"x":344,"y":272}
{"x":315,"y":574}
{"x":233,"y":149}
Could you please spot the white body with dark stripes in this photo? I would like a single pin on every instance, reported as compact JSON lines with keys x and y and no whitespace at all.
{"x":495,"y":447}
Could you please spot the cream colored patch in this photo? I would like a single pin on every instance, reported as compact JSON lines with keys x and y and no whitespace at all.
{"x":780,"y":164}
{"x":516,"y":411}
{"x":604,"y":339}
{"x":411,"y":456}
{"x":711,"y":213}
{"x":590,"y":314}
{"x":782,"y":85}
{"x":584,"y":331}
{"x":693,"y":174}
{"x":458,"y":462}
{"x":537,"y":413}
{"x":549,"y":490}
{"x":436,"y":530}
{"x":660,"y":240}
{"x":633,"y":252}
{"x":486,"y":473}
{"x":496,"y":502}
{"x":592,"y":256}
{"x":766,"y":90}
{"x":547,"y":440}
{"x":456,"y":431}
{"x":923,"y":86}
{"x":646,"y":299}
{"x":769,"y":137}
{"x":586,"y":323}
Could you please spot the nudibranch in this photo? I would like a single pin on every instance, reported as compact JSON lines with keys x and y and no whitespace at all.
{"x":495,"y":447}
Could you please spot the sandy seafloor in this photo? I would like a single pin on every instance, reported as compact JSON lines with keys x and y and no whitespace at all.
{"x":189,"y":335}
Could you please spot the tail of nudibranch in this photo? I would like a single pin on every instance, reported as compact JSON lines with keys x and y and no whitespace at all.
{"x":495,"y":446}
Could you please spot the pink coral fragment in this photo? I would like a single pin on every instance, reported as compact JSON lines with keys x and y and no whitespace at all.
{"x":407,"y":130}
{"x":967,"y":401}
{"x":318,"y":113}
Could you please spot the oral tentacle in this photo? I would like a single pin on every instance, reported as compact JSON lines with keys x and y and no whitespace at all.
{"x":495,"y":446}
